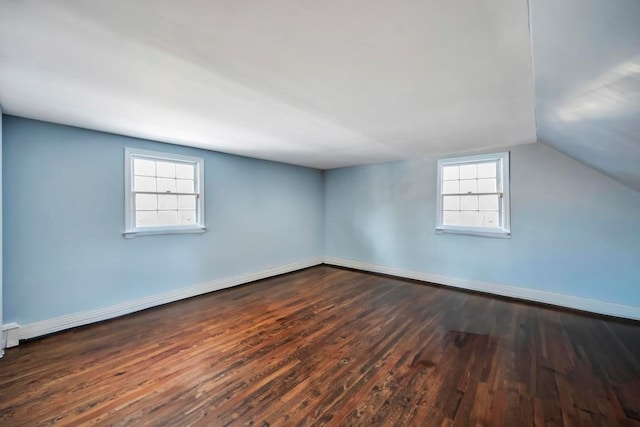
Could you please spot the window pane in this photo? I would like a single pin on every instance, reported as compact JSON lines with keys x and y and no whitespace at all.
{"x":166,"y":185}
{"x":144,"y":183}
{"x":449,"y":187}
{"x":187,"y":202}
{"x":146,"y":202}
{"x":451,"y":218}
{"x":468,"y":171}
{"x":184,"y":185}
{"x":186,"y":217}
{"x":451,"y":203}
{"x":487,"y":170}
{"x":144,"y":167}
{"x":469,"y":203}
{"x":166,"y":169}
{"x":168,"y":217}
{"x":450,"y":172}
{"x":167,"y":201}
{"x":469,"y":186}
{"x":146,"y":218}
{"x":464,"y":179}
{"x":184,"y":171}
{"x":488,"y":203}
{"x":487,"y":185}
{"x":469,"y":218}
{"x":489,"y":219}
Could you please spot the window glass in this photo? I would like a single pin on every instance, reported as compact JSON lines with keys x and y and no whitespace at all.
{"x":473,"y":194}
{"x":164,"y":192}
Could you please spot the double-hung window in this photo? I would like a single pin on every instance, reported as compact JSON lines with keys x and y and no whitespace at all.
{"x":163,"y":193}
{"x":473,"y":195}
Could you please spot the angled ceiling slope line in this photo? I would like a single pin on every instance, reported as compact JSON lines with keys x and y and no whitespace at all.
{"x":321,"y":84}
{"x":586,"y":56}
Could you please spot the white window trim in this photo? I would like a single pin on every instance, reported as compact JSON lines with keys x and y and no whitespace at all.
{"x":503,"y":232}
{"x":131,"y":230}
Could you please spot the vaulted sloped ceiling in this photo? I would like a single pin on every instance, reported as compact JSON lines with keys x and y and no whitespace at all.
{"x":337,"y":82}
{"x":319,"y":83}
{"x":586,"y":56}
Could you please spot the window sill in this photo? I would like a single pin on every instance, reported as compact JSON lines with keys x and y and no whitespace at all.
{"x":495,"y":233}
{"x":140,"y":233}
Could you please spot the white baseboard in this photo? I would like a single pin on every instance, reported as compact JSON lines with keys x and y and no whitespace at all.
{"x":48,"y":326}
{"x":10,"y":333}
{"x":14,"y":332}
{"x":568,"y":301}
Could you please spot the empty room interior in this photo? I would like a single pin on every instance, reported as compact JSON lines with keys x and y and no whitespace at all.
{"x":340,"y":213}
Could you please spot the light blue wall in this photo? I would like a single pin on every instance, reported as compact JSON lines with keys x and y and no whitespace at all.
{"x":64,"y":217}
{"x":2,"y":342}
{"x":575,"y":231}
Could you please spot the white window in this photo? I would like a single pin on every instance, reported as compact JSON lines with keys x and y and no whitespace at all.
{"x":163,"y":193}
{"x":473,"y":195}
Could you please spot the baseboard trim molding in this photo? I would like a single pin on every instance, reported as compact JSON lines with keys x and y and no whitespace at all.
{"x":545,"y":297}
{"x":44,"y":327}
{"x":11,"y":335}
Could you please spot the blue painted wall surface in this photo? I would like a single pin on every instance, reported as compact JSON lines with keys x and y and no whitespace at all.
{"x":575,"y":231}
{"x":1,"y":239}
{"x":64,"y":218}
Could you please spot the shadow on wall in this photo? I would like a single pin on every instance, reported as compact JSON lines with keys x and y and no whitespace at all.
{"x":399,"y":214}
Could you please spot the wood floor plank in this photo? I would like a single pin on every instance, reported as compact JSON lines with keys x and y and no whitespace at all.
{"x":331,"y":346}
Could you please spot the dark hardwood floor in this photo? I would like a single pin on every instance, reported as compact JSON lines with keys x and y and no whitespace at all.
{"x":327,"y":346}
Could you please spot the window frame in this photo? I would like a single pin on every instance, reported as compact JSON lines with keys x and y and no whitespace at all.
{"x":502,"y":184}
{"x":130,"y":154}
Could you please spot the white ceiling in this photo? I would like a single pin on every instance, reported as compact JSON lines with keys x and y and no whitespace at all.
{"x":587,"y":72}
{"x":318,"y":83}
